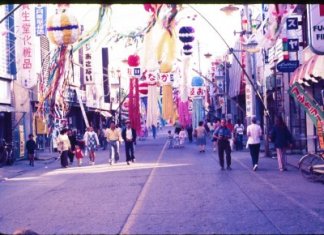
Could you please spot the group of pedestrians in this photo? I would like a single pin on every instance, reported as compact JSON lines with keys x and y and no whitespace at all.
{"x":223,"y":133}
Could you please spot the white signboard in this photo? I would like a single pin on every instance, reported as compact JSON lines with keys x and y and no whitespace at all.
{"x":166,"y":79}
{"x":134,"y":72}
{"x":197,"y":91}
{"x":316,"y":27}
{"x":25,"y":50}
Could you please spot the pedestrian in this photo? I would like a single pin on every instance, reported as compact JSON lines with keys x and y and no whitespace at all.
{"x":189,"y":131}
{"x":31,"y":146}
{"x":282,"y":139}
{"x":223,"y":135}
{"x":182,"y":136}
{"x":64,"y":145}
{"x":78,"y":154}
{"x":177,"y":128}
{"x":91,"y":142}
{"x":214,"y":138}
{"x":230,"y":126}
{"x":170,"y":139}
{"x":129,"y":137}
{"x":254,"y":133}
{"x":211,"y":127}
{"x":72,"y":137}
{"x":201,"y":134}
{"x":238,"y":134}
{"x":154,"y":131}
{"x":113,"y":137}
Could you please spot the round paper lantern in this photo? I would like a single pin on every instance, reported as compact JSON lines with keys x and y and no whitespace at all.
{"x":133,"y":60}
{"x":165,"y":67}
{"x":186,"y":34}
{"x":63,"y":29}
{"x":197,"y":81}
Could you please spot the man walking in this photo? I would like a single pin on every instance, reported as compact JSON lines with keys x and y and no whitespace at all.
{"x":113,"y":137}
{"x":223,"y":134}
{"x":129,"y":136}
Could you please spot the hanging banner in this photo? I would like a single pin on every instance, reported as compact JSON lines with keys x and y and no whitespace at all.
{"x":25,"y":50}
{"x":320,"y":133}
{"x":22,"y":141}
{"x":312,"y":108}
{"x":40,"y":20}
{"x":88,"y":65}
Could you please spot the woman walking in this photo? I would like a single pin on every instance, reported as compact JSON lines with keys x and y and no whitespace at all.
{"x":282,"y":139}
{"x":201,"y":133}
{"x":254,"y":133}
{"x":91,"y":142}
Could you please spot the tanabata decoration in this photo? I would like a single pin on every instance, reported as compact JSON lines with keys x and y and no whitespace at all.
{"x":134,"y":104}
{"x":197,"y":94}
{"x":63,"y":30}
{"x":186,"y":36}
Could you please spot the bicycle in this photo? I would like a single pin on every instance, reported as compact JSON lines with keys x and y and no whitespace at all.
{"x":311,"y":166}
{"x":6,"y":154}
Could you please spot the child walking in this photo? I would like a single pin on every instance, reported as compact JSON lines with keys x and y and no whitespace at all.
{"x":78,"y":154}
{"x":31,"y":146}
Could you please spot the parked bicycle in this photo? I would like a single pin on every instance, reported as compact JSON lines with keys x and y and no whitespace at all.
{"x":311,"y":166}
{"x":6,"y":153}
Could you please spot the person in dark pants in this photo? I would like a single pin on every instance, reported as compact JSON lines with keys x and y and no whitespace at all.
{"x":31,"y":146}
{"x":129,"y":137}
{"x":73,"y":142}
{"x":254,"y":133}
{"x":223,"y":134}
{"x":63,"y":144}
{"x":189,"y":131}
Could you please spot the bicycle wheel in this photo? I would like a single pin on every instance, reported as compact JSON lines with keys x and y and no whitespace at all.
{"x":318,"y":168}
{"x":306,"y":166}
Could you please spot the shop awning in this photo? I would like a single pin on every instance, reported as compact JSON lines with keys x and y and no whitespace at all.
{"x":311,"y":71}
{"x":6,"y":108}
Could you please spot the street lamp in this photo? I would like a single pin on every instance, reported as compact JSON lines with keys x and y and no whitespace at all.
{"x":119,"y":95}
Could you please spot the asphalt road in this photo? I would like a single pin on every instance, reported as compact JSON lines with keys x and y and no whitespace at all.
{"x":167,"y":191}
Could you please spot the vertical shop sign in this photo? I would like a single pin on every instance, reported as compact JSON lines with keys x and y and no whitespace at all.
{"x":21,"y":141}
{"x":88,"y":65}
{"x":40,"y":21}
{"x":316,"y":27}
{"x":25,"y":51}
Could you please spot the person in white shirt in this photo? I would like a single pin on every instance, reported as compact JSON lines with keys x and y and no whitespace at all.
{"x":238,"y":135}
{"x":254,"y":132}
{"x":182,"y":136}
{"x":113,"y":137}
{"x":129,"y":137}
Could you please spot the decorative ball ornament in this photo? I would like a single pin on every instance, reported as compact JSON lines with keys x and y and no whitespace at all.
{"x":186,"y":34}
{"x":63,"y":29}
{"x":197,"y":81}
{"x":133,"y":60}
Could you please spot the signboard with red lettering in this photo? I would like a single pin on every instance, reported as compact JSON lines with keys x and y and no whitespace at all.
{"x":25,"y":50}
{"x":312,"y":108}
{"x":151,"y":77}
{"x":316,"y":27}
{"x":165,"y":79}
{"x":197,"y":91}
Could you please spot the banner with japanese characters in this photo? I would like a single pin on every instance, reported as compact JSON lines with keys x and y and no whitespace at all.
{"x":25,"y":49}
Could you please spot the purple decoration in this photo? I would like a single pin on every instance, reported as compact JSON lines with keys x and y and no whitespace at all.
{"x":187,"y":53}
{"x":186,"y":39}
{"x":186,"y":29}
{"x":187,"y":47}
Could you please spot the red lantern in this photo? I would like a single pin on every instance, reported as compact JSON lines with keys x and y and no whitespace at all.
{"x":133,"y":60}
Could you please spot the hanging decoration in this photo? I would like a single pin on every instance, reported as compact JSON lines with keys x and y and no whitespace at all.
{"x":197,"y":94}
{"x":134,"y":104}
{"x":186,"y":36}
{"x":166,"y":80}
{"x":152,"y":99}
{"x":63,"y":30}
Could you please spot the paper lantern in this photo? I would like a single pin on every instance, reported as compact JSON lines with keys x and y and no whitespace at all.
{"x":63,"y":29}
{"x":186,"y":34}
{"x":197,"y":81}
{"x":133,"y":60}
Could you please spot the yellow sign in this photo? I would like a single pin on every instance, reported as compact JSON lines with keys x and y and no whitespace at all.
{"x":40,"y":126}
{"x":320,"y":134}
{"x":22,"y":141}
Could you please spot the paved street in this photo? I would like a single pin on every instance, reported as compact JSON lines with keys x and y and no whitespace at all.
{"x":167,"y":191}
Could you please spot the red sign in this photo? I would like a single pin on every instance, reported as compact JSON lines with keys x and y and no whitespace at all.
{"x":321,"y":9}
